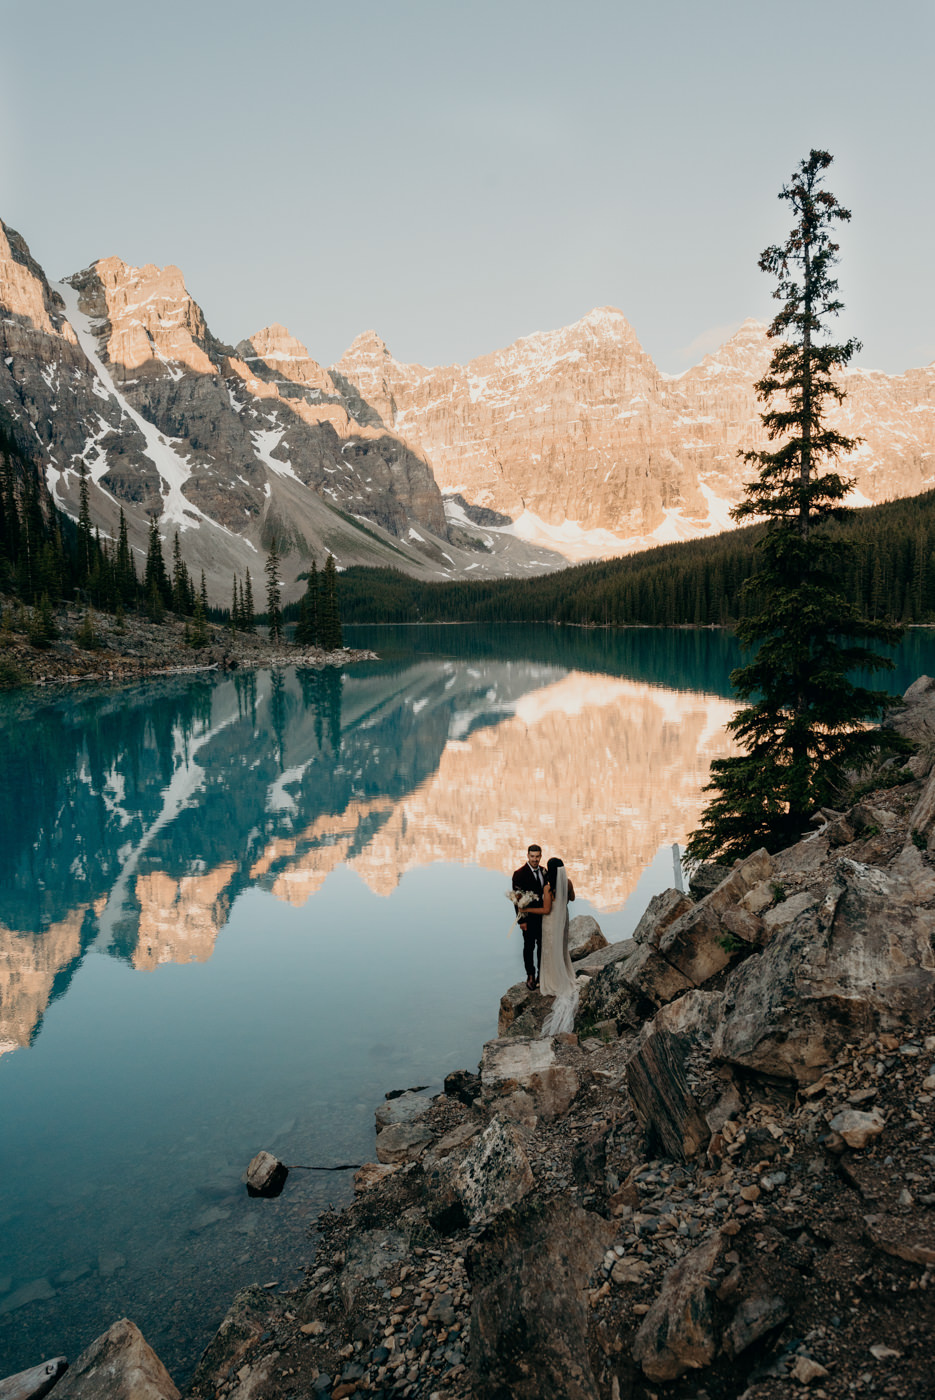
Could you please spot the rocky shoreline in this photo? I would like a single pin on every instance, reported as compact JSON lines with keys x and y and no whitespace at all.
{"x":722,"y":1185}
{"x":134,"y":649}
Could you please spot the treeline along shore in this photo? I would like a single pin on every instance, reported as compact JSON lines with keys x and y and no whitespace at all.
{"x":891,"y":574}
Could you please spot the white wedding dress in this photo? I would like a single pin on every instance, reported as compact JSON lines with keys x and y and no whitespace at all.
{"x":556,"y":973}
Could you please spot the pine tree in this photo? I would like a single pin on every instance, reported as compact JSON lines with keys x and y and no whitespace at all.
{"x":273,"y":594}
{"x":306,"y":632}
{"x":181,"y":585}
{"x":247,"y":614}
{"x":155,"y":579}
{"x":125,"y":569}
{"x":235,"y":607}
{"x":330,"y":621}
{"x":804,"y":722}
{"x":85,"y":538}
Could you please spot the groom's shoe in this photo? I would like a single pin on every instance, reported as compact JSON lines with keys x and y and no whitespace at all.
{"x":531,"y":983}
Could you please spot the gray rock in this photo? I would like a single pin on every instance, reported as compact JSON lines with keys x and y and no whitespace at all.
{"x":584,"y":937}
{"x":406,"y":1108}
{"x":696,"y":942}
{"x":546,"y":1255}
{"x":403,"y":1142}
{"x":119,"y":1365}
{"x":678,"y":1333}
{"x":859,"y":963}
{"x":706,"y":877}
{"x":507,"y":1059}
{"x":494,"y":1174}
{"x":653,"y":978}
{"x":266,"y":1175}
{"x":662,"y":910}
{"x":34,"y":1383}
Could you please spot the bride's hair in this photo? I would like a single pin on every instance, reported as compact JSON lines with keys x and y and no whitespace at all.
{"x":552,"y":865}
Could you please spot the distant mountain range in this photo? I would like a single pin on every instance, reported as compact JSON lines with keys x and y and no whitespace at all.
{"x":566,"y":445}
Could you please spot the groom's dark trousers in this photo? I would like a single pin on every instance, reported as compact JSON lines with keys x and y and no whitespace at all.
{"x":524,"y":879}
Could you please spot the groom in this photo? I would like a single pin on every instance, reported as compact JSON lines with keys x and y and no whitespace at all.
{"x":531,"y":877}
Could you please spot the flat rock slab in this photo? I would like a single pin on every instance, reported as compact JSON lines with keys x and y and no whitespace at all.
{"x":119,"y":1365}
{"x":403,"y":1142}
{"x":515,"y":1059}
{"x":405,"y":1108}
{"x":591,"y":964}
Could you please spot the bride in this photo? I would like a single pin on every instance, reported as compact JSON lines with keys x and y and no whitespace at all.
{"x":556,"y":974}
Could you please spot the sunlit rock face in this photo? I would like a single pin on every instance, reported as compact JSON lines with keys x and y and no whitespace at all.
{"x":29,"y":965}
{"x":580,"y":439}
{"x":180,"y":919}
{"x":600,"y":771}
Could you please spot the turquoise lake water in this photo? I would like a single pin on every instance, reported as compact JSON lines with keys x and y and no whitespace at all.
{"x":235,"y":911}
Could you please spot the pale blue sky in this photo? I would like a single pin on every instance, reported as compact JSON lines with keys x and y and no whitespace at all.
{"x":455,"y":175}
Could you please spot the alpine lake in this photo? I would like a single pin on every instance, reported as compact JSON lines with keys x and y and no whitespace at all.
{"x":236,"y":910}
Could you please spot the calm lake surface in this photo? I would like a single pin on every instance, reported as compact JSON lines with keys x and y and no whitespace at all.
{"x":235,"y":911}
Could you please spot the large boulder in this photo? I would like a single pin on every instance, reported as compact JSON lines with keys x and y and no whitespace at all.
{"x":403,"y":1142}
{"x":707,"y":938}
{"x":652,"y":978}
{"x":584,"y":937}
{"x":404,"y":1108}
{"x":251,"y":1314}
{"x":662,"y":910}
{"x":915,"y":720}
{"x":858,"y":963}
{"x":494,"y":1174}
{"x":679,"y":1333}
{"x":119,"y":1365}
{"x":658,"y":1088}
{"x":529,"y":1321}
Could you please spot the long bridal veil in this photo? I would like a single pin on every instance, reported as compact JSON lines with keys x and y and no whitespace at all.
{"x":557,"y":976}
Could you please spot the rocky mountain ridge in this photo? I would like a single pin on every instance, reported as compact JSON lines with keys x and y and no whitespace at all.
{"x":568,"y":444}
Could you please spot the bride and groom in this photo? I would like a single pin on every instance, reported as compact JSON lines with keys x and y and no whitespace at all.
{"x":545,"y":934}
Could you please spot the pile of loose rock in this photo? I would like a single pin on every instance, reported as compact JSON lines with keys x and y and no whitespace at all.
{"x":722,"y":1185}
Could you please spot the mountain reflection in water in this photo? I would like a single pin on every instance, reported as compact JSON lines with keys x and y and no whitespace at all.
{"x":311,"y":866}
{"x":133,"y":820}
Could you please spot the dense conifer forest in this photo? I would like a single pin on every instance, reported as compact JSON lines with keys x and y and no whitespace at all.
{"x":697,"y":583}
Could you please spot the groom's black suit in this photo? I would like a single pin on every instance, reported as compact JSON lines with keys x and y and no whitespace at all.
{"x":525,"y":879}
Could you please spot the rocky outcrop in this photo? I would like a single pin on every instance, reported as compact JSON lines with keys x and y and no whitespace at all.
{"x":118,"y":1366}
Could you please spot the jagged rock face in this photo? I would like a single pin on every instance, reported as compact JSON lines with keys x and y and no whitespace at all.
{"x":117,"y":369}
{"x":579,"y":425}
{"x":241,"y":422}
{"x":564,"y":424}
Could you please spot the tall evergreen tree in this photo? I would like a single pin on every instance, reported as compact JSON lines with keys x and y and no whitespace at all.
{"x":155,"y":579}
{"x":273,"y":594}
{"x":125,"y":569}
{"x":247,"y":614}
{"x":85,"y":557}
{"x":804,"y":722}
{"x":306,"y":632}
{"x":330,"y":618}
{"x":181,"y":584}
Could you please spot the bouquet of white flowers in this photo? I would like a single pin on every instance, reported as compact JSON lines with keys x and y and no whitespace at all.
{"x":520,"y":900}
